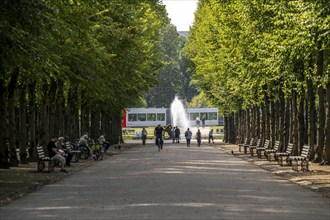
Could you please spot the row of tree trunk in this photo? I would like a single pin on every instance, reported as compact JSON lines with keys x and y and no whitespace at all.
{"x":295,"y":119}
{"x":30,"y":116}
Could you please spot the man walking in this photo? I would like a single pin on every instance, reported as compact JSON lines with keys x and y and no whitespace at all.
{"x":188,"y":135}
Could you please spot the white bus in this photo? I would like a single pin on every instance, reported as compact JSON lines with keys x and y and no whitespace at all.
{"x":145,"y":117}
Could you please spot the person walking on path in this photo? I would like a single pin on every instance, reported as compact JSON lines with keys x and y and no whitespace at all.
{"x":211,"y":136}
{"x":55,"y":153}
{"x":173,"y":135}
{"x":199,"y":138}
{"x":144,"y":136}
{"x":177,"y":134}
{"x":159,"y":130}
{"x":188,"y":135}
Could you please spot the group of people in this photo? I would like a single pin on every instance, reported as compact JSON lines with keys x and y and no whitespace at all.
{"x":176,"y":134}
{"x":198,"y":121}
{"x":59,"y":150}
{"x":188,"y":135}
{"x":159,"y":133}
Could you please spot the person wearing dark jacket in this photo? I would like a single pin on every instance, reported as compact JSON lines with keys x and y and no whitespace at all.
{"x":177,"y":134}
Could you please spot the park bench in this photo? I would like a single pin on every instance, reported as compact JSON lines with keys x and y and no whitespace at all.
{"x":264,"y":148}
{"x":270,"y":153}
{"x":253,"y":147}
{"x":244,"y":143}
{"x":76,"y":153}
{"x":42,"y":158}
{"x":248,"y":145}
{"x":283,"y":156}
{"x":301,"y":162}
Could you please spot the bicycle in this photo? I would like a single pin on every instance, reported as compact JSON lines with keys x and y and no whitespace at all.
{"x":97,"y":152}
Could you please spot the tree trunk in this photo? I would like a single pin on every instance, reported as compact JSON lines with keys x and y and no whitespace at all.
{"x":116,"y":126}
{"x":52,"y":109}
{"x":253,"y":127}
{"x":12,"y":87}
{"x":327,"y":127}
{"x":294,"y":122}
{"x":22,"y":126}
{"x":4,"y":164}
{"x":273,"y":123}
{"x":237,"y":127}
{"x":278,"y":113}
{"x":321,"y":107}
{"x":232,"y":129}
{"x":226,"y":129}
{"x":258,"y":124}
{"x":263,"y":123}
{"x":43,"y":128}
{"x":105,"y":121}
{"x":301,"y":120}
{"x":73,"y":114}
{"x":286,"y":129}
{"x":32,"y":121}
{"x":85,"y":114}
{"x":95,"y":122}
{"x":60,"y":112}
{"x":242,"y":125}
{"x":311,"y":119}
{"x":267,"y":114}
{"x":248,"y":125}
{"x":306,"y":120}
{"x":281,"y":121}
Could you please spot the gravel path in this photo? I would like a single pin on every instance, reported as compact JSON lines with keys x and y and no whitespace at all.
{"x":176,"y":183}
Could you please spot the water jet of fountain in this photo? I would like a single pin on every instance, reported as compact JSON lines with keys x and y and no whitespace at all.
{"x":179,"y":116}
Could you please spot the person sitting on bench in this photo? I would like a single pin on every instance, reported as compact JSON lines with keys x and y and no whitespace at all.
{"x":67,"y":154}
{"x":55,"y":153}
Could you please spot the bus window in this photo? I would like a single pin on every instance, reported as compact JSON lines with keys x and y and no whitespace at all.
{"x":204,"y":116}
{"x":132,"y":117}
{"x":160,"y":117}
{"x":212,"y":116}
{"x":141,"y":117}
{"x":151,"y":117}
{"x":193,"y":116}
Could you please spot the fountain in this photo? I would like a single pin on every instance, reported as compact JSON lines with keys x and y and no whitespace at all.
{"x":179,"y":116}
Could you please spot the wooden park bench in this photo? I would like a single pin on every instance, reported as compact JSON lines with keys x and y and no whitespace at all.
{"x":284,"y":156}
{"x":301,"y":162}
{"x":263,"y":149}
{"x":270,"y":153}
{"x":76,"y":155}
{"x":71,"y":150}
{"x":42,"y":158}
{"x":244,"y":143}
{"x":248,"y":145}
{"x":254,"y":147}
